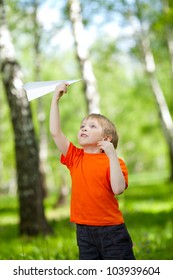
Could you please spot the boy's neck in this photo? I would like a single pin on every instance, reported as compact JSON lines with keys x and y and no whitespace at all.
{"x":92,"y":150}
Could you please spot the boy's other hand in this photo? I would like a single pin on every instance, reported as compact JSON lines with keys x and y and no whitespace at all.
{"x":107,"y":147}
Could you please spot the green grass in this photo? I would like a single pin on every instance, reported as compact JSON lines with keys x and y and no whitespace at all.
{"x":148,"y":213}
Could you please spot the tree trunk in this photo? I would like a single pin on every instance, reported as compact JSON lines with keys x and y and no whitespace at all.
{"x":32,"y":218}
{"x":90,"y":86}
{"x":43,"y":150}
{"x":164,"y":113}
{"x":169,"y":37}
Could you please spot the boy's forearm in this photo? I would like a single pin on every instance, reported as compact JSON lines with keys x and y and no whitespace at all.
{"x":59,"y":138}
{"x":55,"y":126}
{"x":118,"y":183}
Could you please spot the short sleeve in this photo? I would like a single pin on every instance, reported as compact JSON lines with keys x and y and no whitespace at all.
{"x":72,"y":155}
{"x":67,"y":160}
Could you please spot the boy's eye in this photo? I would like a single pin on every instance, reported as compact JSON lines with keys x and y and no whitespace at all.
{"x":92,"y":126}
{"x":82,"y":126}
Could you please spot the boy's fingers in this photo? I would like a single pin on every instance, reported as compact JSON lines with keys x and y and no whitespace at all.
{"x":66,"y":87}
{"x":62,"y":89}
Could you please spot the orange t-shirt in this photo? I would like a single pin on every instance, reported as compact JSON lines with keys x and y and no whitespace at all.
{"x":92,"y":199}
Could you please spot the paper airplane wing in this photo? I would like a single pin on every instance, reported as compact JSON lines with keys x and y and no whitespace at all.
{"x":37,"y":89}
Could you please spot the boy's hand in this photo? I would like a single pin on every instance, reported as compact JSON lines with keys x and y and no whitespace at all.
{"x":107,"y":147}
{"x":60,"y":90}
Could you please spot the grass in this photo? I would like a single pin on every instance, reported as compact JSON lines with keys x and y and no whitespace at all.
{"x":148,"y":213}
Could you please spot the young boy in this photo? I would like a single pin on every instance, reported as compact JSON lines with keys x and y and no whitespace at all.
{"x":98,"y":176}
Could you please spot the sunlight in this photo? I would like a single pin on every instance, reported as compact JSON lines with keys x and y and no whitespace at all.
{"x":6,"y":220}
{"x":152,"y":206}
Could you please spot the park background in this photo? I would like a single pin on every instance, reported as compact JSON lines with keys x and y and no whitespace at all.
{"x":123,"y":51}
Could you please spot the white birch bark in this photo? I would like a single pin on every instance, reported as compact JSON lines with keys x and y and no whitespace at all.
{"x":90,"y":85}
{"x":32,"y":218}
{"x":164,"y":113}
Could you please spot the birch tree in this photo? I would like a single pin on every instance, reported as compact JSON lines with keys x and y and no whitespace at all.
{"x":32,"y":217}
{"x":43,"y":149}
{"x":82,"y":53}
{"x":164,"y":113}
{"x":168,"y":26}
{"x":150,"y":67}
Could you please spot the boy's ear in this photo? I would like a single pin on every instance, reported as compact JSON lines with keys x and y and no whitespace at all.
{"x":108,"y":138}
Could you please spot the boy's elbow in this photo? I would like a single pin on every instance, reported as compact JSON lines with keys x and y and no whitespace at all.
{"x":120,"y":192}
{"x":53,"y":133}
{"x":119,"y":189}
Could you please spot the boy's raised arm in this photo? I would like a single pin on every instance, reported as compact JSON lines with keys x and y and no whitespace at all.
{"x":55,"y":124}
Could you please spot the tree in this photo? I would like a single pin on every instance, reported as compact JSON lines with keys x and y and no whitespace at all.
{"x":150,"y":67}
{"x":82,"y":53}
{"x":37,"y":31}
{"x":168,"y":24}
{"x":32,"y":218}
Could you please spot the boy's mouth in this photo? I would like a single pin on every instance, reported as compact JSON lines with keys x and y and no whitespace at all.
{"x":83,"y":135}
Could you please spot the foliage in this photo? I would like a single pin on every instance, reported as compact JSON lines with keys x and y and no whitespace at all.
{"x":125,"y":96}
{"x":147,"y":209}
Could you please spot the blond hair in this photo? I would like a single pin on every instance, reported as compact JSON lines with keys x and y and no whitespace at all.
{"x":109,"y":129}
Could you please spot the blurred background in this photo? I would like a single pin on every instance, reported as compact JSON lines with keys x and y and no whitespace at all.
{"x":123,"y":52}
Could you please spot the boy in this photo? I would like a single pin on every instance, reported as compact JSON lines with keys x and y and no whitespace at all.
{"x":98,"y":175}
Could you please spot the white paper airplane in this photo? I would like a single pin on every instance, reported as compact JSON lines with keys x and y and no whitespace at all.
{"x":37,"y":89}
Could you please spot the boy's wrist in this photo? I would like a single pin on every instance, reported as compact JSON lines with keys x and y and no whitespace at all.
{"x":112,"y":155}
{"x":56,"y":98}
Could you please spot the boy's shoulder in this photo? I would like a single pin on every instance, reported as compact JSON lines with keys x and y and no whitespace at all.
{"x":72,"y":153}
{"x":74,"y":149}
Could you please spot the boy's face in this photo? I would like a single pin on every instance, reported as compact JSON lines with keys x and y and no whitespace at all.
{"x":90,"y":132}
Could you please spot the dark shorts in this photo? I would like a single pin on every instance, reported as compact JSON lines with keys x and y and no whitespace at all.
{"x":104,"y":243}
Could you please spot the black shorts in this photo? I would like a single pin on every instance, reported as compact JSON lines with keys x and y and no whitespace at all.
{"x":104,"y":243}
